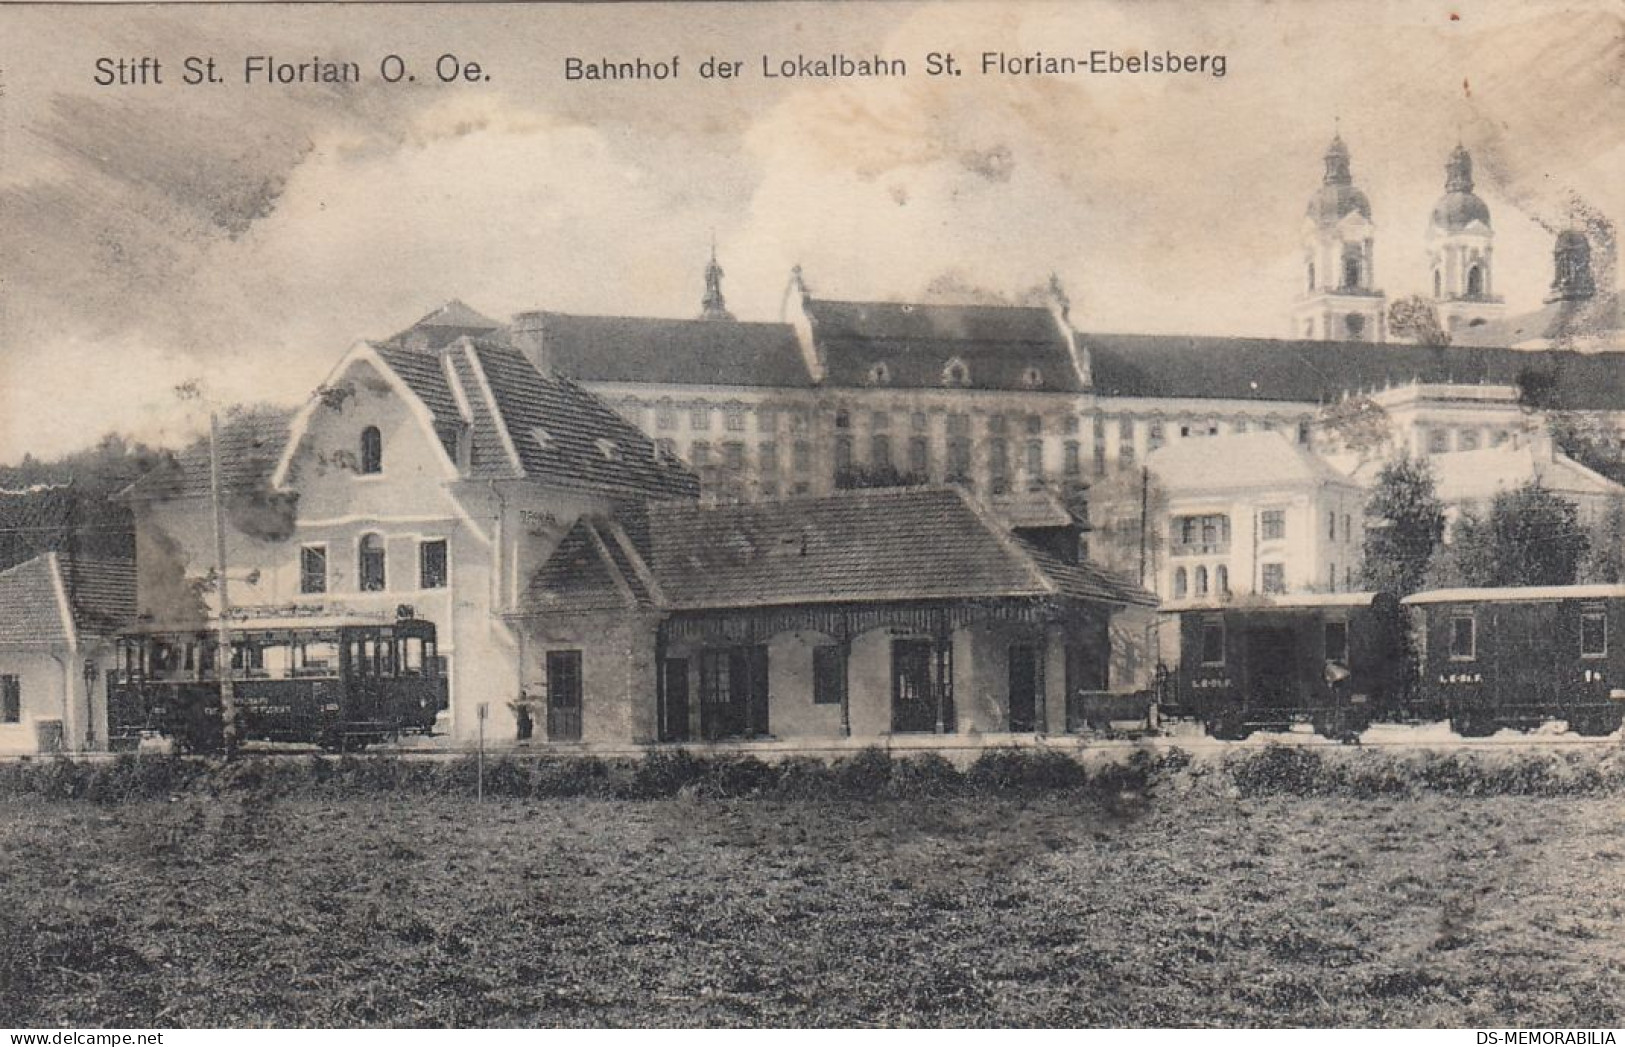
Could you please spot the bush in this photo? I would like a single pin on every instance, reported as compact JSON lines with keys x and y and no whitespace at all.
{"x":663,"y":773}
{"x":806,"y":778}
{"x":1026,"y":771}
{"x":863,"y":775}
{"x":1279,"y":769}
{"x":925,"y":775}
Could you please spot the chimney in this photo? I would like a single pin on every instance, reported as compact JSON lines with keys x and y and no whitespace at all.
{"x":528,"y":332}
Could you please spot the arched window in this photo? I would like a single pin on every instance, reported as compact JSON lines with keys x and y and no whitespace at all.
{"x":1438,"y":284}
{"x":1351,"y":269}
{"x":1311,"y":276}
{"x":1475,"y":281}
{"x":1179,"y":583}
{"x":372,"y":450}
{"x":370,"y":568}
{"x":1201,"y":581}
{"x":1221,"y":580}
{"x":956,"y":373}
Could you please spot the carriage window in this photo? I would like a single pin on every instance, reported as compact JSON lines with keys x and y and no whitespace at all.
{"x":1463,"y":637}
{"x":1337,"y":642}
{"x":371,"y":558}
{"x":1594,"y":633}
{"x":412,"y":655}
{"x":321,"y":656}
{"x":1213,"y":643}
{"x":277,"y":660}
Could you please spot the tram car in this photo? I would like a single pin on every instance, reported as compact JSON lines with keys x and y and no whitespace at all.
{"x":339,"y":682}
{"x":1336,"y":661}
{"x":1520,"y":656}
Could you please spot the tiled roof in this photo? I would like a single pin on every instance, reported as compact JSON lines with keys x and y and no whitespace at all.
{"x":30,"y":609}
{"x":1000,"y":346}
{"x":1219,"y":463}
{"x":101,"y":595}
{"x":580,"y":576}
{"x":919,"y":543}
{"x":586,"y":441}
{"x":670,"y":352}
{"x":251,"y":444}
{"x":1148,"y":365}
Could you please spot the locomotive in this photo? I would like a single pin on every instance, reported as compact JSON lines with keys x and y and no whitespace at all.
{"x":1483,"y":659}
{"x":339,"y":682}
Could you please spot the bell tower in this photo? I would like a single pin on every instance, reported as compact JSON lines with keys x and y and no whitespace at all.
{"x":1460,"y":246}
{"x":1339,"y":300}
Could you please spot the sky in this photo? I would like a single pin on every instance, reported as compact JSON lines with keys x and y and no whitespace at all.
{"x":244,"y":236}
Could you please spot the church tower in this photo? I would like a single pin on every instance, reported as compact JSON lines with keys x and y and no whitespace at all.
{"x":712,"y":306}
{"x":1571,"y":268}
{"x":1340,"y":300}
{"x":1460,"y":245}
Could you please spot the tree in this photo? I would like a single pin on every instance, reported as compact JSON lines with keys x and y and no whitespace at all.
{"x":1415,"y":318}
{"x":1358,"y":424}
{"x":1404,"y":522}
{"x":1529,"y":537}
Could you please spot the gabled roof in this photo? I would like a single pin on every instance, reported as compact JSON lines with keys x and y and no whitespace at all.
{"x":918,"y":543}
{"x":251,"y":445}
{"x":445,"y":325}
{"x":640,"y":350}
{"x":1152,"y":365}
{"x":1242,"y":460}
{"x":45,"y":601}
{"x":1000,"y":346}
{"x":1598,"y":321}
{"x":1460,"y":475}
{"x":519,"y":423}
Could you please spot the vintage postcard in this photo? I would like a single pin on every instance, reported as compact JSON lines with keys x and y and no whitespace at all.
{"x":817,"y":514}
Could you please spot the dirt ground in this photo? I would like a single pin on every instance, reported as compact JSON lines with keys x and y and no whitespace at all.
{"x":1201,"y":910}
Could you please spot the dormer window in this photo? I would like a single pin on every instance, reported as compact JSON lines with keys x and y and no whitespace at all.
{"x":608,"y":449}
{"x":880,"y":374}
{"x":1032,"y":378}
{"x":956,"y":373}
{"x":543,"y":438}
{"x":372,"y":450}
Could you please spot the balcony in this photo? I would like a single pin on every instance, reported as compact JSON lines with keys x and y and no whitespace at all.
{"x":1216,"y":548}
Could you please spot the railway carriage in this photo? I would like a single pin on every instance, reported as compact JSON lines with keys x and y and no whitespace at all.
{"x":340,"y":682}
{"x":1517,"y":657}
{"x":1336,"y":661}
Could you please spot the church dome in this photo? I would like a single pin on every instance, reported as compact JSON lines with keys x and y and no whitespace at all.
{"x":1332,"y":203}
{"x":1456,"y":211}
{"x":1337,"y":197}
{"x":1459,"y":207}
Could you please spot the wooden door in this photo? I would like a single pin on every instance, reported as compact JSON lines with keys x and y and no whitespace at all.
{"x":564,"y":696}
{"x":914,"y":704}
{"x":1023,"y":689}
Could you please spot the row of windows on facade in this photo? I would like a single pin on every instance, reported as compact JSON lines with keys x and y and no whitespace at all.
{"x":1271,"y":579}
{"x":918,"y":460}
{"x":1439,"y":439}
{"x":1593,"y":635}
{"x":956,"y":423}
{"x":1210,"y":533}
{"x":372,"y":565}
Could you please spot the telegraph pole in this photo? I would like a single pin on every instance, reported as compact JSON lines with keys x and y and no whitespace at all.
{"x":222,"y":660}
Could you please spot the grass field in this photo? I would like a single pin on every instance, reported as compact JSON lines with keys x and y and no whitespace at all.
{"x":1056,"y":910}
